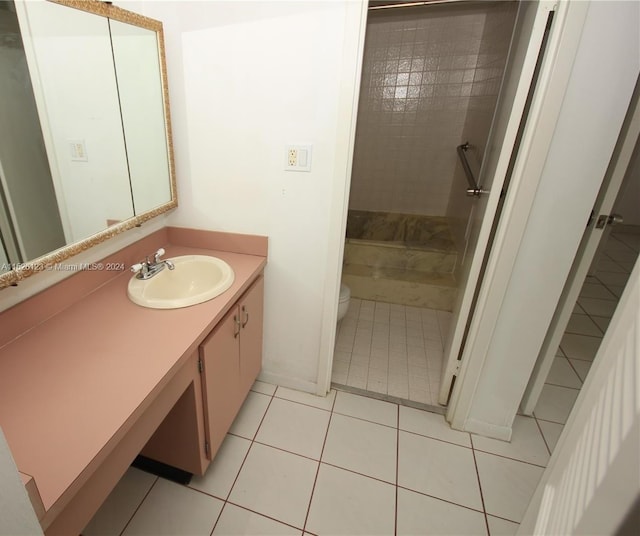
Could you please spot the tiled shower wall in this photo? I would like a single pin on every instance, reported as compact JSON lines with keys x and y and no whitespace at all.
{"x":422,"y":73}
{"x":494,"y":48}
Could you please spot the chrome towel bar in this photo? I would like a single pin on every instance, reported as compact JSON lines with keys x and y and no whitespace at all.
{"x":474,"y":190}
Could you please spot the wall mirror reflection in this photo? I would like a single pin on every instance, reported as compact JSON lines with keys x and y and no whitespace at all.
{"x":85,"y":134}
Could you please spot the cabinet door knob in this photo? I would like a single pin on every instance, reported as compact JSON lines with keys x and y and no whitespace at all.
{"x":246,"y":316}
{"x":236,"y":332}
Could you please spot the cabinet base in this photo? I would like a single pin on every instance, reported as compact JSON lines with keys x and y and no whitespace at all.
{"x":162,"y":469}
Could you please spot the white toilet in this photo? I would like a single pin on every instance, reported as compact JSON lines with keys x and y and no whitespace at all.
{"x":343,"y":302}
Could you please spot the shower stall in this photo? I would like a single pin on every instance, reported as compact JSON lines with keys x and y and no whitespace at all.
{"x":431,"y":78}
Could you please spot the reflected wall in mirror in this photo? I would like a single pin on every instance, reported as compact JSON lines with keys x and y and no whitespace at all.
{"x":85,"y":136}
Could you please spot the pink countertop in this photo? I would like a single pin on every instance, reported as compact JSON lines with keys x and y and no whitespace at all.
{"x":70,"y":383}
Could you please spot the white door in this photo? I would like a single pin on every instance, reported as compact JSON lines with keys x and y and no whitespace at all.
{"x":617,"y":174}
{"x":526,"y":48}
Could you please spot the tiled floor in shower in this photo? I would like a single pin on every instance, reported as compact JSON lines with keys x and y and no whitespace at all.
{"x":397,"y":350}
{"x":390,"y":349}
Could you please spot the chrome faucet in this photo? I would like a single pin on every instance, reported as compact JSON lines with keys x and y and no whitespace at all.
{"x":147,"y":269}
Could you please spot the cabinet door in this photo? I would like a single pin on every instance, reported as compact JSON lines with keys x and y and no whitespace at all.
{"x":220,"y":354}
{"x":251,"y":305}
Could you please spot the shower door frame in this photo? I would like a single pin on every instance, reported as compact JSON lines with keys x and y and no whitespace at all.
{"x":482,"y":402}
{"x":516,"y":87}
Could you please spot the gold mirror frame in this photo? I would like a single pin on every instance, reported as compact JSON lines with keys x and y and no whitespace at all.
{"x":46,"y":262}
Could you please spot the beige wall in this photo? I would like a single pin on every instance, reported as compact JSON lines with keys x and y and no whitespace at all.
{"x":427,"y":72}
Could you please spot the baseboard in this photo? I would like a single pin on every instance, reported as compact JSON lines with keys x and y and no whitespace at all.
{"x":486,"y":429}
{"x":287,"y":381}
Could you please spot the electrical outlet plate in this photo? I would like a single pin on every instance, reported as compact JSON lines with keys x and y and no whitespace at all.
{"x":298,"y":158}
{"x":78,"y":151}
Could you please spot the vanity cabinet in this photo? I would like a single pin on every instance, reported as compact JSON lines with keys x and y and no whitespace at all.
{"x":230,"y":360}
{"x":163,"y":384}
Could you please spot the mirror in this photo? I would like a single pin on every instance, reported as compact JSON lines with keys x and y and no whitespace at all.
{"x":85,"y":136}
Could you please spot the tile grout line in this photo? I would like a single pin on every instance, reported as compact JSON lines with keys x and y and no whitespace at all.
{"x":139,"y":505}
{"x":448,"y":501}
{"x":244,"y":459}
{"x":403,"y":324}
{"x":262,"y":515}
{"x":543,"y":437}
{"x":576,"y":373}
{"x":547,"y":420}
{"x":566,"y":386}
{"x":315,"y":480}
{"x":484,"y":508}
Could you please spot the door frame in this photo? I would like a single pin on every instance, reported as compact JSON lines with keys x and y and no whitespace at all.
{"x":520,"y":291}
{"x":561,"y":49}
{"x":553,"y":80}
{"x":510,"y":114}
{"x":355,"y":27}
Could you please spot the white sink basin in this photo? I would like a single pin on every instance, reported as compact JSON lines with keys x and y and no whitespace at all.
{"x":195,"y":279}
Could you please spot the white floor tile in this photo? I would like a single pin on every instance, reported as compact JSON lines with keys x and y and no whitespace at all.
{"x":294,"y":427}
{"x":263,"y":387}
{"x":551,"y":432}
{"x":605,"y":264}
{"x":617,"y":290}
{"x":171,"y":509}
{"x":362,"y":446}
{"x":555,"y":403}
{"x":577,"y":310}
{"x":224,"y":468}
{"x":507,"y":485}
{"x":580,"y":346}
{"x":420,"y":394}
{"x":276,"y":484}
{"x":357,"y":375}
{"x":526,"y":443}
{"x":620,"y":256}
{"x":596,"y":307}
{"x":348,"y":504}
{"x":366,"y":408}
{"x":398,"y":387}
{"x":438,"y":469}
{"x":431,"y":425}
{"x":502,"y":527}
{"x":562,"y":373}
{"x":581,"y":367}
{"x":250,"y":414}
{"x":419,"y":514}
{"x":596,"y":290}
{"x":340,"y":357}
{"x":377,"y":386}
{"x":583,"y":325}
{"x":120,"y":505}
{"x":236,"y":521}
{"x":339,"y":373}
{"x":602,"y":322}
{"x":610,"y":278}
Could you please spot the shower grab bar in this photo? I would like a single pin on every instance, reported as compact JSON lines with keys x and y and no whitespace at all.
{"x":474,"y":190}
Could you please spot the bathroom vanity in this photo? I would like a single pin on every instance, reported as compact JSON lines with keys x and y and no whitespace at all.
{"x":88,"y":379}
